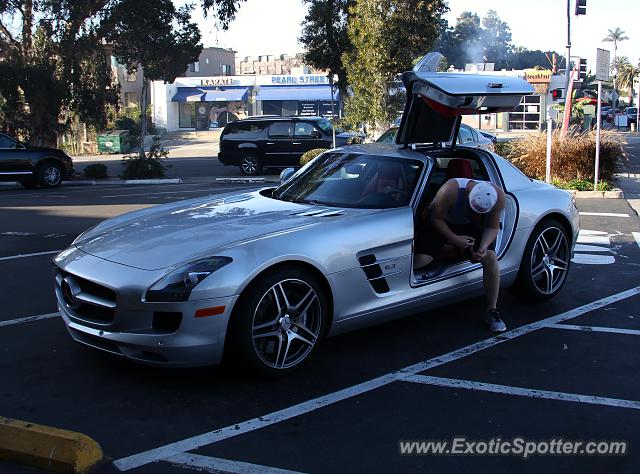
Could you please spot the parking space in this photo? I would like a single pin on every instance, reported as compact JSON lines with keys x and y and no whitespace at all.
{"x":566,"y":368}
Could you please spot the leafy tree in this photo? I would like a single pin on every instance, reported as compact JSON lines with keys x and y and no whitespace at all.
{"x":155,"y":39}
{"x":462,"y":43}
{"x":523,"y":58}
{"x":386,"y":36}
{"x":225,"y":10}
{"x":52,"y":67}
{"x":496,"y":40}
{"x":324,"y":34}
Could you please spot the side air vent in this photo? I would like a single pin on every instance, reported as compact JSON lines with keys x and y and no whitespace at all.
{"x":373,"y":272}
{"x":319,"y":213}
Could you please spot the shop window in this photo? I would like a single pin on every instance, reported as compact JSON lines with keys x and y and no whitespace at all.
{"x":186,"y":118}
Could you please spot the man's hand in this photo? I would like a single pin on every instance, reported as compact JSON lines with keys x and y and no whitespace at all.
{"x":462,"y":242}
{"x":480,"y":253}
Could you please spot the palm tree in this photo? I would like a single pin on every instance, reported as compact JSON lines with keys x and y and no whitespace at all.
{"x":615,"y":36}
{"x":626,"y":74}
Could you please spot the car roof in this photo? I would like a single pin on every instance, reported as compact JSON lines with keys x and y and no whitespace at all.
{"x":279,"y":118}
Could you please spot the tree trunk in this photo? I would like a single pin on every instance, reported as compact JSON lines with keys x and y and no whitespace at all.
{"x":143,"y":112}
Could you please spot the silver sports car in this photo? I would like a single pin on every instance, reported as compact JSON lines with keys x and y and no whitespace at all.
{"x":262,"y":277}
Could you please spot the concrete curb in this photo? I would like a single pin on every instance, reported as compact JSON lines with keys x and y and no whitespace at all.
{"x":47,"y":448}
{"x":153,"y":181}
{"x":614,"y":194}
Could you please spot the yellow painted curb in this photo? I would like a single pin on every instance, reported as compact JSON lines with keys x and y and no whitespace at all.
{"x":47,"y":448}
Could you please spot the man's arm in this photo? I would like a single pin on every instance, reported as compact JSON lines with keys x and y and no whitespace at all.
{"x":492,"y":224}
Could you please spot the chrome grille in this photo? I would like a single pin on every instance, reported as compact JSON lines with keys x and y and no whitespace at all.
{"x":86,"y":299}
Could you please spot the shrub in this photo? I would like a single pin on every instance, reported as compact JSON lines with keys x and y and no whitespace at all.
{"x":148,"y":166}
{"x":310,"y":155}
{"x":96,"y":171}
{"x":572,"y":156}
{"x":581,"y":185}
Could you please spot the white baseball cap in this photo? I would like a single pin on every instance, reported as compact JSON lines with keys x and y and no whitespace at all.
{"x":482,"y":197}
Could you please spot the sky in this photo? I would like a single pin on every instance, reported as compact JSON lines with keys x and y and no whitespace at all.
{"x":273,"y":26}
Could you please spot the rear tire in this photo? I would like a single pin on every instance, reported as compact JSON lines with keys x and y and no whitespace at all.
{"x":279,"y":322}
{"x":250,"y":165}
{"x":49,"y":175}
{"x":545,"y":262}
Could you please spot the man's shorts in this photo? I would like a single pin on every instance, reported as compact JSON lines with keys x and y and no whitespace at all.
{"x":430,"y":241}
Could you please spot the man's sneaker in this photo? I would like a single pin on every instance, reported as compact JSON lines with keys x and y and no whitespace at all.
{"x":494,"y":322}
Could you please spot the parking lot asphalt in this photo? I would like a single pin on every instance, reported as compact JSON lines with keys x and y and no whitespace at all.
{"x":566,"y":368}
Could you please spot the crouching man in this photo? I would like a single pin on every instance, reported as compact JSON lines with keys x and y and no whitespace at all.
{"x":465,"y":216}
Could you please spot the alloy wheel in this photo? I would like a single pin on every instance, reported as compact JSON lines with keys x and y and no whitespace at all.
{"x":52,"y":175}
{"x":550,"y":260}
{"x":249,"y":165}
{"x":287,"y":324}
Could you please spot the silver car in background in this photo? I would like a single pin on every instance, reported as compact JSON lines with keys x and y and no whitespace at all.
{"x":467,"y":136}
{"x":262,"y":277}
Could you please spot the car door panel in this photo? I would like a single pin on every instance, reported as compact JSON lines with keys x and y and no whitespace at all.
{"x":14,"y":158}
{"x":305,"y":137}
{"x":277,"y":146}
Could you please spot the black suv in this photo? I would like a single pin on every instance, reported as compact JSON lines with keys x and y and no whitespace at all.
{"x":272,"y":141}
{"x":33,"y":166}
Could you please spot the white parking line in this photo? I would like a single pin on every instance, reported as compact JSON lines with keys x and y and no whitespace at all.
{"x":189,"y":444}
{"x":636,"y":235}
{"x":520,"y":391}
{"x":632,"y":332}
{"x":217,"y":465}
{"x":28,"y":319}
{"x":603,"y":214}
{"x":25,"y":255}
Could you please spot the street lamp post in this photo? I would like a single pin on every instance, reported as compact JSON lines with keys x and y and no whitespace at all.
{"x":333,"y":125}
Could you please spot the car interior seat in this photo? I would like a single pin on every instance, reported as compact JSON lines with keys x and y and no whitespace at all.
{"x":388,"y":175}
{"x":459,"y":168}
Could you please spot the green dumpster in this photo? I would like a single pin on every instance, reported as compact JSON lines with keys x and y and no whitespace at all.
{"x":114,"y":141}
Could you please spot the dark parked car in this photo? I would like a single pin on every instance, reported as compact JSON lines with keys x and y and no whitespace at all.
{"x":467,"y":135}
{"x":33,"y":166}
{"x":632,"y":114}
{"x":272,"y":141}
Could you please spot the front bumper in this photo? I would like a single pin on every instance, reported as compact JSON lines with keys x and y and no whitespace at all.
{"x":130,"y":329}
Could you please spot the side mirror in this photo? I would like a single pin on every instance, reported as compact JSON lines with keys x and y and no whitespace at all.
{"x":286,"y":174}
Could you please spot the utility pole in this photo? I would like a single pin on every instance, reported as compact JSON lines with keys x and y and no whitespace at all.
{"x":568,"y":60}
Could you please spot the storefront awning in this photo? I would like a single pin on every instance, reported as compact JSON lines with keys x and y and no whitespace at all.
{"x":188,"y":94}
{"x":228,"y":95}
{"x":294,"y":93}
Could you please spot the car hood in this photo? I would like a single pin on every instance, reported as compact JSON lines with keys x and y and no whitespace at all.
{"x":435,"y":101}
{"x":169,"y":235}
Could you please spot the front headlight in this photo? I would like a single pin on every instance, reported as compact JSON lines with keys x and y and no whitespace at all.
{"x":177,"y":285}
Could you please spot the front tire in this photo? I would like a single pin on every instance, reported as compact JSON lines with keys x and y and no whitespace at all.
{"x":545,"y":262}
{"x":279,"y":322}
{"x":250,"y":165}
{"x":49,"y":175}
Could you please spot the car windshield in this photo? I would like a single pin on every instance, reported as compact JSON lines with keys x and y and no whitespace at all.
{"x":388,"y":136}
{"x":325,"y":126}
{"x":353,"y":180}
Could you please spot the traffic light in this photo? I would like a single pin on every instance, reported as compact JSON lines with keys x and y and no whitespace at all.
{"x":583,"y":69}
{"x":556,"y":94}
{"x":581,"y":7}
